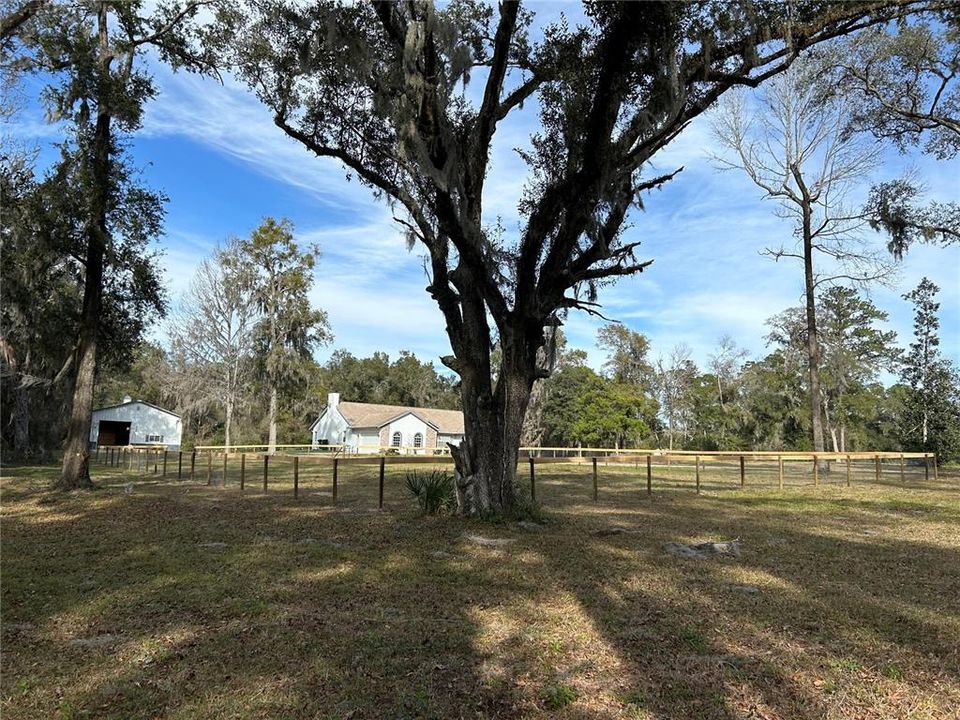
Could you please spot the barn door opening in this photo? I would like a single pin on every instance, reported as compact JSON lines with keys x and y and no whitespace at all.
{"x":113,"y":432}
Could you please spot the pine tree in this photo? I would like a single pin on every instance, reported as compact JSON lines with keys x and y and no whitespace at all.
{"x":931,"y":417}
{"x":289,"y":328}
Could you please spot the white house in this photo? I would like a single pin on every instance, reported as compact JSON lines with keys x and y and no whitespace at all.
{"x":366,"y":427}
{"x":134,"y":422}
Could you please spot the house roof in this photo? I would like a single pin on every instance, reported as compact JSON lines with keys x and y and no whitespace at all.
{"x":370,"y":415}
{"x":135,"y":402}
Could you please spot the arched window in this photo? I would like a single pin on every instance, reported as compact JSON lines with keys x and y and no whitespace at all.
{"x":397,"y":439}
{"x":418,"y":440}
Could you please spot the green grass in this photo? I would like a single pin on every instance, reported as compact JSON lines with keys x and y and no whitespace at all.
{"x":152,"y":598}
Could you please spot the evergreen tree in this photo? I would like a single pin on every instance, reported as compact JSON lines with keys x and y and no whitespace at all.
{"x":855,"y":350}
{"x":627,"y":351}
{"x":90,"y":53}
{"x":289,"y":328}
{"x":931,"y":415}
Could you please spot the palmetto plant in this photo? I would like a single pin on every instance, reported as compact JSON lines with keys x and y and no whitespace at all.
{"x":434,"y":490}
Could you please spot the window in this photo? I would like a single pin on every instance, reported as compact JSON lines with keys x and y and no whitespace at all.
{"x":418,"y":440}
{"x":397,"y":438}
{"x":154,"y":438}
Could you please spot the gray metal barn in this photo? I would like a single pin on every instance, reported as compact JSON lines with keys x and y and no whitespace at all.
{"x":135,"y":422}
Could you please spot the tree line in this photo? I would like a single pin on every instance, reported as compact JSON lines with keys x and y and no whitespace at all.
{"x":638,"y":399}
{"x":382,"y":89}
{"x":736,"y":403}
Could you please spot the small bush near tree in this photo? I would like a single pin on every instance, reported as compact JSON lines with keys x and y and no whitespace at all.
{"x":434,"y":490}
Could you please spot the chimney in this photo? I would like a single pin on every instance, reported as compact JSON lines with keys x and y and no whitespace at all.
{"x":333,"y":399}
{"x":126,"y":399}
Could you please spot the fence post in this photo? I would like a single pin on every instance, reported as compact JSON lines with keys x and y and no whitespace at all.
{"x":193,"y":462}
{"x":156,"y":459}
{"x":926,"y":467}
{"x":649,"y":475}
{"x":816,"y":471}
{"x":595,"y":489}
{"x":266,"y":464}
{"x":696,"y":465}
{"x":876,"y":462}
{"x":180,"y":465}
{"x":533,"y":483}
{"x":296,"y":475}
{"x":225,"y":456}
{"x":209,"y":467}
{"x":936,"y":477}
{"x":243,"y":470}
{"x":383,"y":462}
{"x":848,"y":471}
{"x":335,"y":462}
{"x":780,"y":472}
{"x":902,"y":478}
{"x":743,"y":472}
{"x":164,"y":463}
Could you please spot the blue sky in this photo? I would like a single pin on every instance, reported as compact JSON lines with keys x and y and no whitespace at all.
{"x":215,"y":152}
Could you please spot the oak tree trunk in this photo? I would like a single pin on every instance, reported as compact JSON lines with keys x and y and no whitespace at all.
{"x":485,"y":463}
{"x":21,"y":419}
{"x":76,"y":456}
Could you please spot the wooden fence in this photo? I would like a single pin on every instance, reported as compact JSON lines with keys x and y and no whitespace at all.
{"x":285,"y":472}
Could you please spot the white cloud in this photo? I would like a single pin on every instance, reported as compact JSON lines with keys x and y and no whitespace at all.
{"x":230,"y":119}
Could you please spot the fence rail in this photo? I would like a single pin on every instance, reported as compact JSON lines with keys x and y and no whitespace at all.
{"x":324,"y":474}
{"x":581,"y":452}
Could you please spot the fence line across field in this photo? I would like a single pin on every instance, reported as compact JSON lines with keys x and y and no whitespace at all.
{"x":200,"y":463}
{"x":569,"y":453}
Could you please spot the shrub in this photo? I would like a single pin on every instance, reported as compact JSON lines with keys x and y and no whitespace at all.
{"x":434,"y":490}
{"x":526,"y":508}
{"x":558,"y":696}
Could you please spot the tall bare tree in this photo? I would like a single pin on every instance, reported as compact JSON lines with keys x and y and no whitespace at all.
{"x":380,"y":88}
{"x":793,"y":145}
{"x":213,"y":328}
{"x":725,"y":363}
{"x":674,"y":379}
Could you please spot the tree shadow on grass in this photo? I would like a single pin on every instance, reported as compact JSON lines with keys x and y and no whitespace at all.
{"x":302,"y":611}
{"x":310,"y":611}
{"x":826,"y":605}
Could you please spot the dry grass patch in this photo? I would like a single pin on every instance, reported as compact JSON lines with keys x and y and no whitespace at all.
{"x":176,"y":600}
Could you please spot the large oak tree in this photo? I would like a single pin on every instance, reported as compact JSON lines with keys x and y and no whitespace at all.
{"x":382,"y":88}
